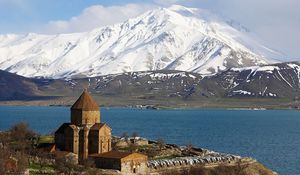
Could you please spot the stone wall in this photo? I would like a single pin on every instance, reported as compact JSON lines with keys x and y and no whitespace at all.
{"x":60,"y":140}
{"x":69,"y":140}
{"x":79,"y":117}
{"x":83,"y":144}
{"x":105,"y":139}
{"x":182,"y":163}
{"x":134,"y":167}
{"x":94,"y":142}
{"x":134,"y":164}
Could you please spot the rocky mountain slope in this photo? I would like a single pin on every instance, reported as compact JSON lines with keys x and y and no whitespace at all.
{"x":14,"y":87}
{"x":175,"y":38}
{"x":274,"y":82}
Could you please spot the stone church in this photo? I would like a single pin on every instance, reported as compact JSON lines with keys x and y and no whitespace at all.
{"x":85,"y":134}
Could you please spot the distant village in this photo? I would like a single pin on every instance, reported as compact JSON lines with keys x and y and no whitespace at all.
{"x":85,"y":145}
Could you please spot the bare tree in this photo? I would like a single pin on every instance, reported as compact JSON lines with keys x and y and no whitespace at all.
{"x":21,"y":132}
{"x":12,"y":148}
{"x":22,"y":136}
{"x":4,"y":139}
{"x":189,"y":146}
{"x":134,"y":134}
{"x":161,"y":143}
{"x":124,"y":135}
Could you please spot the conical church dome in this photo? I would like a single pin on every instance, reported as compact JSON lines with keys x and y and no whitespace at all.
{"x":85,"y":103}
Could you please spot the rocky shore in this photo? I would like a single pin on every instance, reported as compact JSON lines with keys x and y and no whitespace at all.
{"x":174,"y":159}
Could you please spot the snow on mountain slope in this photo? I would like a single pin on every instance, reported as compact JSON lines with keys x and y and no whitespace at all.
{"x":175,"y":38}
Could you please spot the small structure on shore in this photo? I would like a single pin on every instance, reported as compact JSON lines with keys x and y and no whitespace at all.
{"x":128,"y":163}
{"x":87,"y":137}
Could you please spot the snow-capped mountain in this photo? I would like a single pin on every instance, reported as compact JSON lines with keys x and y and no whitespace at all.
{"x":275,"y":81}
{"x":175,"y":38}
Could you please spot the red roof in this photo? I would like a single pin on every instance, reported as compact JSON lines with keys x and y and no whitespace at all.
{"x":112,"y":155}
{"x":119,"y":155}
{"x":86,"y":103}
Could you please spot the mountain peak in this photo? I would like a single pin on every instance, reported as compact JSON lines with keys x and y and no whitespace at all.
{"x":174,"y":38}
{"x":180,"y":8}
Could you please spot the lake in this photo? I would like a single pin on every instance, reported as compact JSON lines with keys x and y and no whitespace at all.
{"x":270,"y":136}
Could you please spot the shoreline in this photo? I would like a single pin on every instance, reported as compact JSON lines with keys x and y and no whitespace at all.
{"x":160,"y":103}
{"x":163,"y":108}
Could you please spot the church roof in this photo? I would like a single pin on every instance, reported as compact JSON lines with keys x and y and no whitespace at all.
{"x":118,"y":155}
{"x":61,"y":129}
{"x":98,"y":126}
{"x":86,"y":103}
{"x":112,"y":154}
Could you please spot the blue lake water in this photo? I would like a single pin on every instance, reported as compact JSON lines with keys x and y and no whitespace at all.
{"x":271,"y":137}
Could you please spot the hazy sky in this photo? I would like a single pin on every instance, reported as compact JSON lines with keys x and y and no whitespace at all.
{"x":276,"y":22}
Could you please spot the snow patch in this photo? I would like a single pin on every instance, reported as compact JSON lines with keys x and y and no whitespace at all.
{"x":242,"y":92}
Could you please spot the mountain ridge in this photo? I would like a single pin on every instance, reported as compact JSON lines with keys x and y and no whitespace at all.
{"x":269,"y":86}
{"x":175,"y":38}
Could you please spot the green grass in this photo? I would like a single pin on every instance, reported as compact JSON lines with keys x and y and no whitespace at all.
{"x":34,"y":165}
{"x":46,"y":139}
{"x":143,"y":147}
{"x":46,"y":169}
{"x":38,"y":173}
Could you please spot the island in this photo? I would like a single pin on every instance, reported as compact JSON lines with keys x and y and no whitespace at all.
{"x":87,"y":146}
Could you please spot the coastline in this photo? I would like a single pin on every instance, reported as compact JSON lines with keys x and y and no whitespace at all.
{"x":149,"y":107}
